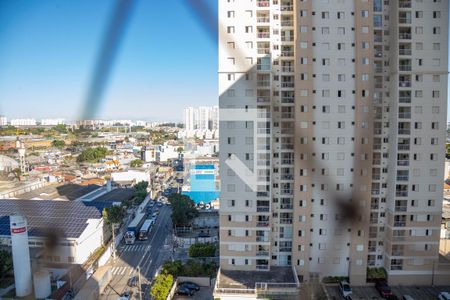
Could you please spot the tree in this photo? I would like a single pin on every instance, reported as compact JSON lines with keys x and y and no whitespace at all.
{"x":136,"y":163}
{"x":115,"y":214}
{"x":61,"y":128}
{"x":92,"y":154}
{"x":447,"y":149}
{"x":5,"y":261}
{"x":180,"y":149}
{"x":183,"y":209}
{"x":161,"y":286}
{"x":17,"y":173}
{"x":58,"y":143}
{"x":202,"y":250}
{"x":140,"y":192}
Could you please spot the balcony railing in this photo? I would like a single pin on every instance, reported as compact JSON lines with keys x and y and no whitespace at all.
{"x":287,"y":53}
{"x":287,"y":84}
{"x":401,"y":193}
{"x":262,"y":209}
{"x":404,"y":67}
{"x":263,"y":99}
{"x":287,"y":23}
{"x":403,"y":163}
{"x":399,"y":223}
{"x":287,"y":7}
{"x":404,"y":99}
{"x":286,"y":206}
{"x":287,"y":192}
{"x":404,"y":115}
{"x":262,"y":3}
{"x":263,"y":50}
{"x":262,"y":194}
{"x":289,"y":69}
{"x":404,"y":52}
{"x":287,"y":100}
{"x":262,"y":224}
{"x":404,"y":83}
{"x":375,"y":192}
{"x":400,"y":208}
{"x":403,"y":147}
{"x":404,"y":131}
{"x":263,"y":83}
{"x":263,"y":35}
{"x":402,"y":178}
{"x":285,"y":221}
{"x":262,"y":239}
{"x":404,"y":4}
{"x":262,"y":253}
{"x":285,"y":249}
{"x":287,"y":38}
{"x":397,"y":253}
{"x":287,"y":161}
{"x":263,"y":19}
{"x":404,"y":35}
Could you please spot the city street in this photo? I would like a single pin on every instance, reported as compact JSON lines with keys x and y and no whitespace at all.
{"x":147,"y":255}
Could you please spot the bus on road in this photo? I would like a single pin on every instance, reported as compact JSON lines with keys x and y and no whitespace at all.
{"x":145,"y":229}
{"x":133,"y":228}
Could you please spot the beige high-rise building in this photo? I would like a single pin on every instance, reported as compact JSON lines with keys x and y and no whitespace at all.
{"x":347,"y":142}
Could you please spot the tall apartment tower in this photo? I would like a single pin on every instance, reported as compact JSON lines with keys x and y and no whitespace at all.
{"x":348,"y":141}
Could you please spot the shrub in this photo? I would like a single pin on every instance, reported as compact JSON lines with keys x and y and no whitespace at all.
{"x":202,"y":250}
{"x":161,"y":286}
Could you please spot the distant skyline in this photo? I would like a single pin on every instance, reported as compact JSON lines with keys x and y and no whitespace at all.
{"x":166,"y":61}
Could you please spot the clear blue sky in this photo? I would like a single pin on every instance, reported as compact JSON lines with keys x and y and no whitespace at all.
{"x":48,"y":49}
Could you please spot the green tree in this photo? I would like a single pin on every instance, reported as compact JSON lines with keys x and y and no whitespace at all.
{"x":447,"y":149}
{"x":180,"y":149}
{"x":161,"y":286}
{"x":140,"y":192}
{"x":61,"y":128}
{"x":115,"y":214}
{"x":183,"y":209}
{"x":136,"y":163}
{"x":58,"y":143}
{"x":202,"y":250}
{"x":92,"y":154}
{"x":5,"y":261}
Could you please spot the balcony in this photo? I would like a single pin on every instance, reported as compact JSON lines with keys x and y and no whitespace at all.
{"x":397,"y":252}
{"x":287,"y":161}
{"x":262,"y":194}
{"x":404,"y":67}
{"x":401,"y":193}
{"x":263,"y":35}
{"x":404,"y":20}
{"x":400,"y":208}
{"x":262,"y":267}
{"x":287,"y":84}
{"x":287,"y":147}
{"x":403,"y":163}
{"x":262,"y":99}
{"x":404,"y":35}
{"x":286,"y":206}
{"x":287,"y":115}
{"x":402,"y":178}
{"x":375,"y":192}
{"x":403,"y":147}
{"x":378,"y":53}
{"x":404,"y":84}
{"x":262,"y":224}
{"x":262,"y":208}
{"x":285,"y":221}
{"x":263,"y":3}
{"x":404,"y":131}
{"x":288,"y":69}
{"x":404,"y":4}
{"x":263,"y":83}
{"x":287,"y":38}
{"x":404,"y":115}
{"x":399,"y":223}
{"x":262,"y":253}
{"x":262,"y":238}
{"x":263,"y":50}
{"x":287,"y":99}
{"x":287,"y":53}
{"x":374,"y":206}
{"x":287,"y":7}
{"x":285,"y":249}
{"x":263,"y":19}
{"x":404,"y":51}
{"x":404,"y":99}
{"x":374,"y":221}
{"x":287,"y":23}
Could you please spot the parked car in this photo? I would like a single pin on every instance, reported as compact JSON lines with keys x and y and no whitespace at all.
{"x":444,"y":296}
{"x":132,"y":281}
{"x":383,"y":288}
{"x":185,"y":291}
{"x":345,"y":288}
{"x":190,"y":285}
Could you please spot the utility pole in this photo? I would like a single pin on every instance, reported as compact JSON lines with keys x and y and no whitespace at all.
{"x":139,"y":282}
{"x":113,"y":242}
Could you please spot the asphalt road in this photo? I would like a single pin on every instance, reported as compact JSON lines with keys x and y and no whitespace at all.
{"x":148,"y":255}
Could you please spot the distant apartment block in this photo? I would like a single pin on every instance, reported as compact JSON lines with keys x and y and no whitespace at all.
{"x":23,"y":122}
{"x":351,"y":100}
{"x":201,"y":118}
{"x":3,"y":121}
{"x":52,"y":122}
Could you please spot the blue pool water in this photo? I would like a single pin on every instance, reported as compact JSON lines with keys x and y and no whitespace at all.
{"x":202,"y":184}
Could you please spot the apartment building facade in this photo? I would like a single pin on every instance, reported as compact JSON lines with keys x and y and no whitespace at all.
{"x":346,"y":142}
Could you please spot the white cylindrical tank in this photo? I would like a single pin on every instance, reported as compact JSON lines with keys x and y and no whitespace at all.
{"x":21,"y":255}
{"x":42,"y":284}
